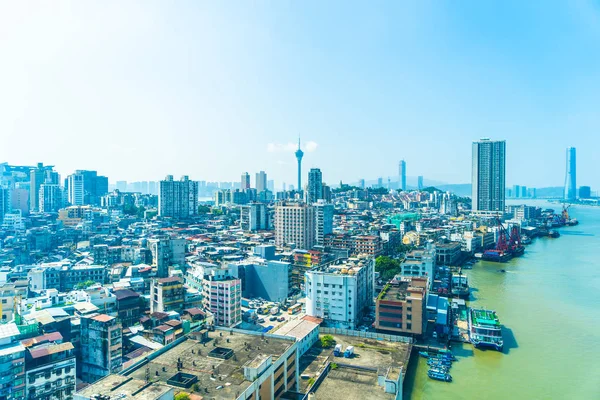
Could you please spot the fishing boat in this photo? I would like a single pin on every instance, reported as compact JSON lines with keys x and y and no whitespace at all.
{"x":439,"y":376}
{"x":553,"y":233}
{"x":424,"y":354}
{"x":434,"y":363}
{"x":441,"y":369}
{"x":485,"y":329}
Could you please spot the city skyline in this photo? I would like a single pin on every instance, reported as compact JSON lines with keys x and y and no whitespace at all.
{"x":177,"y":116}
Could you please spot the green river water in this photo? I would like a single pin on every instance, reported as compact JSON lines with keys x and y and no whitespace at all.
{"x":549,"y":304}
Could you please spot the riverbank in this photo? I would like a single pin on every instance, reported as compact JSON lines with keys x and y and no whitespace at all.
{"x":547,"y":302}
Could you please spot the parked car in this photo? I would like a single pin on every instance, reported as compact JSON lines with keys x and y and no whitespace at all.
{"x":273,"y":319}
{"x":281,"y":319}
{"x":261,"y":320}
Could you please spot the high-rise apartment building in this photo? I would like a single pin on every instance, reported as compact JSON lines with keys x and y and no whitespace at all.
{"x":314,"y":190}
{"x":488,"y":180}
{"x":75,"y":189}
{"x":178,"y":199}
{"x":221,"y":291}
{"x":38,"y":176}
{"x":167,"y":294}
{"x":51,"y":198}
{"x":323,"y":221}
{"x":245,"y":184}
{"x":571,"y":175}
{"x":261,"y":181}
{"x":402,"y":175}
{"x":254,"y":217}
{"x":420,"y":182}
{"x":101,"y":346}
{"x":5,"y":202}
{"x":295,"y":223}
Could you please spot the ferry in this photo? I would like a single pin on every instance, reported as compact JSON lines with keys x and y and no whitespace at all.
{"x":485,"y":329}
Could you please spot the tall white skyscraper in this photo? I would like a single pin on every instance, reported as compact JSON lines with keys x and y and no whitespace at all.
{"x":489,"y":170}
{"x":402,"y":174}
{"x":261,"y":181}
{"x":75,"y":193}
{"x":178,"y":199}
{"x":245,"y":184}
{"x":571,"y":175}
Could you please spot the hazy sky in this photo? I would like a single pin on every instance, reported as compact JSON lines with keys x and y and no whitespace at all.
{"x":138,"y":90}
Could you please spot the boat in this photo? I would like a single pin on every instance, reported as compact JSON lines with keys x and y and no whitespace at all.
{"x":526,"y":239}
{"x":439,"y":376}
{"x":485,"y":329}
{"x":502,"y":270}
{"x":424,"y":354}
{"x":442,"y":369}
{"x":439,"y":364}
{"x":553,"y":233}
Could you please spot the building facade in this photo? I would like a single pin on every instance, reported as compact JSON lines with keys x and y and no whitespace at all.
{"x":314,"y":189}
{"x":488,"y":179}
{"x":400,"y":306}
{"x":75,"y":189}
{"x":178,"y":199}
{"x":167,"y":294}
{"x":12,"y":363}
{"x":341,"y":294}
{"x":51,"y":198}
{"x":261,"y":181}
{"x":101,"y":346}
{"x":323,"y":221}
{"x":254,"y":217}
{"x":295,"y":223}
{"x":50,"y":368}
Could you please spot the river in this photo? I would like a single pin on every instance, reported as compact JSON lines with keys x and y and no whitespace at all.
{"x":549,"y":304}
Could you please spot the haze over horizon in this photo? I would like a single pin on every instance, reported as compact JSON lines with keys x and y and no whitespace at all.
{"x":139,"y":90}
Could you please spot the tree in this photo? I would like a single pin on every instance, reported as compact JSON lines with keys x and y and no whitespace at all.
{"x":203,"y":209}
{"x":327,"y":341}
{"x":182,"y":396}
{"x":84,"y":285}
{"x":140,"y":211}
{"x":387,"y":267}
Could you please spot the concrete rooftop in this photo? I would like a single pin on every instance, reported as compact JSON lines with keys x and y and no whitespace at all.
{"x":214,"y":372}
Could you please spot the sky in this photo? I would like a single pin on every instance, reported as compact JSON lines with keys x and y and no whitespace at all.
{"x":139,"y":90}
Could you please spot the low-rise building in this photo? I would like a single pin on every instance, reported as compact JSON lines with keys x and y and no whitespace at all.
{"x":12,"y":362}
{"x":340,"y":294}
{"x":447,"y":253}
{"x":241,"y":365}
{"x":400,"y":306}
